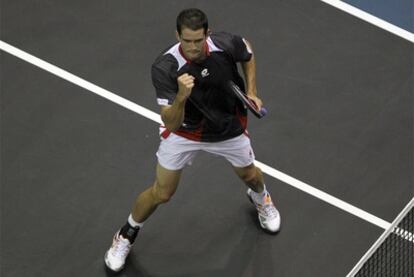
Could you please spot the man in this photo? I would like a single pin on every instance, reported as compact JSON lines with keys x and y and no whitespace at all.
{"x":200,"y":114}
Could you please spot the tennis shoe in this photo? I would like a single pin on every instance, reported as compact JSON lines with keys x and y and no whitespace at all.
{"x":269,"y":216}
{"x":116,"y":255}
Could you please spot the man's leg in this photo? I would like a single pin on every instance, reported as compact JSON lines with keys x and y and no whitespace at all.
{"x":252,"y":176}
{"x":238,"y":151}
{"x":160,"y":192}
{"x":145,"y":204}
{"x":268,"y":215}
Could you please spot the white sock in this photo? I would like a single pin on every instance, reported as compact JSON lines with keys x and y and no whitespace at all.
{"x":258,"y":197}
{"x":133,"y":223}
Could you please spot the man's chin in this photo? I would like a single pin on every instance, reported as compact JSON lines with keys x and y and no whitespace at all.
{"x":193,"y":57}
{"x":196,"y":58}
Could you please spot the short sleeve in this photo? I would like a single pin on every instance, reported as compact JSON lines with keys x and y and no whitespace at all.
{"x":234,"y":45}
{"x":165,"y":85}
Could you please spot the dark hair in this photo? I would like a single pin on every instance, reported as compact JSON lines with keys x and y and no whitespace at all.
{"x":193,"y":19}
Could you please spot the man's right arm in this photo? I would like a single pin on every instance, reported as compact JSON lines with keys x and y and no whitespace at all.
{"x":173,"y":116}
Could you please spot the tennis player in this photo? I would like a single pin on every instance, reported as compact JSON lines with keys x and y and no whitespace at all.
{"x":199,"y":114}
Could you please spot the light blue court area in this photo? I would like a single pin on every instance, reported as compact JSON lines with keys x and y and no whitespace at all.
{"x":397,"y":12}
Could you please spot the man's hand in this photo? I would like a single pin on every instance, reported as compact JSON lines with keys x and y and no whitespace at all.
{"x":257,"y":101}
{"x":185,"y":86}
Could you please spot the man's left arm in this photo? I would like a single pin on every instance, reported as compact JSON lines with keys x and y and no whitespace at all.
{"x":249,"y":70}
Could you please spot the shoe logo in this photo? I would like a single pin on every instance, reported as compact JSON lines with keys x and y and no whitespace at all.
{"x":205,"y":73}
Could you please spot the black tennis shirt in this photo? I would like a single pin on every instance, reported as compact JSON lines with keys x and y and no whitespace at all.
{"x":212,"y":112}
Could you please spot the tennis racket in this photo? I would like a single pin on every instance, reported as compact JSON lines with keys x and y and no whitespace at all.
{"x":247,"y":102}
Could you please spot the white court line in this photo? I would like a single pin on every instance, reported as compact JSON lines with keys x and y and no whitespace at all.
{"x":155,"y":117}
{"x":371,"y":19}
{"x":323,"y":196}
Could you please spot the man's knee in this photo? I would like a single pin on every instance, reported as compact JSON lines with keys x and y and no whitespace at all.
{"x":250,"y":174}
{"x":161,"y":195}
{"x":165,"y":184}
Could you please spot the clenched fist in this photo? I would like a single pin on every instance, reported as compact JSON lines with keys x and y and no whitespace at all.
{"x":185,"y":85}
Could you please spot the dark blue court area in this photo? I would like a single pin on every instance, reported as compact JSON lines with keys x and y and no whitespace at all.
{"x":340,"y":97}
{"x":397,"y":12}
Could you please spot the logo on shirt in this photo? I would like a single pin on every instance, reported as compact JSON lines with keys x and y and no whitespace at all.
{"x":205,"y":73}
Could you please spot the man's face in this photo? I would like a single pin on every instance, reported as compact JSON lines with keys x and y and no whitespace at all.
{"x":192,"y":43}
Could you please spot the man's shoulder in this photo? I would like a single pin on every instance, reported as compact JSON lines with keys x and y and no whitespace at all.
{"x":165,"y":61}
{"x":225,"y":40}
{"x":170,"y":59}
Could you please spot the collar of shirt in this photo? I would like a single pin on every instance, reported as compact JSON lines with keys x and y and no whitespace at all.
{"x":206,"y":47}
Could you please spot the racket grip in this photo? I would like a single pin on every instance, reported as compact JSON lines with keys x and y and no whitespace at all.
{"x":263,"y":111}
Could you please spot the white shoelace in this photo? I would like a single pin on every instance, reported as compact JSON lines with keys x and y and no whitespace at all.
{"x":122,"y":247}
{"x":269,"y":210}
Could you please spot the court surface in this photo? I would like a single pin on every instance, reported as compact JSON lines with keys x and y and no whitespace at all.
{"x":340,"y":97}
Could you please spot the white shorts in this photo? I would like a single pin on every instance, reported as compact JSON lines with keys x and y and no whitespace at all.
{"x":175,"y":152}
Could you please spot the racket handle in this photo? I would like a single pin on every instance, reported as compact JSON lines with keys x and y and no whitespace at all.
{"x":263,"y":111}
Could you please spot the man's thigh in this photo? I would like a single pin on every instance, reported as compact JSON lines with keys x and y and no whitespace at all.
{"x":175,"y":152}
{"x":167,"y":180}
